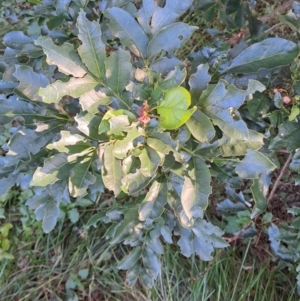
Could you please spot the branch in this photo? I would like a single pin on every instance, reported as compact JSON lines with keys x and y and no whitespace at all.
{"x":283,"y":170}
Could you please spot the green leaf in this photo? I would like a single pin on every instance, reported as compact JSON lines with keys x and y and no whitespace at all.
{"x":288,"y":137}
{"x":64,"y":57}
{"x":201,"y":127}
{"x":294,"y":113}
{"x":198,"y":82}
{"x":70,"y":143}
{"x":196,"y":188}
{"x":130,"y":260}
{"x":295,"y":163}
{"x":46,"y":209}
{"x":92,"y":50}
{"x":186,"y":242}
{"x":13,"y":108}
{"x":90,"y":101}
{"x":150,"y":161}
{"x":112,"y":170}
{"x":75,"y":87}
{"x":122,"y":25}
{"x":269,"y":53}
{"x":173,"y":108}
{"x":115,"y":122}
{"x":73,"y":215}
{"x":135,"y":182}
{"x":122,"y":147}
{"x":221,"y":104}
{"x":290,"y":20}
{"x":152,"y":206}
{"x":174,"y":200}
{"x":254,"y":164}
{"x":125,"y":227}
{"x":16,"y":40}
{"x":259,"y":104}
{"x":151,"y":265}
{"x":57,"y":167}
{"x":260,"y":189}
{"x":229,"y":147}
{"x":83,"y":274}
{"x":6,"y":184}
{"x":95,"y":219}
{"x":55,"y":21}
{"x":27,"y":141}
{"x":81,"y":178}
{"x":62,"y":5}
{"x":118,"y":69}
{"x":174,"y":79}
{"x":144,"y":15}
{"x":88,"y":124}
{"x":29,"y":82}
{"x":163,"y":148}
{"x":171,"y":11}
{"x":165,"y":64}
{"x":170,"y":38}
{"x":207,"y":238}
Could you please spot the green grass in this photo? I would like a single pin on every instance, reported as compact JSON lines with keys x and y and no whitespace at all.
{"x":45,"y":265}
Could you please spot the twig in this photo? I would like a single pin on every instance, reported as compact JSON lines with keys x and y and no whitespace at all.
{"x":278,"y":9}
{"x":208,"y":266}
{"x":283,"y":170}
{"x":237,"y":236}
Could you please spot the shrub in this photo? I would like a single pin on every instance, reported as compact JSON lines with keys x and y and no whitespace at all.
{"x":104,"y":111}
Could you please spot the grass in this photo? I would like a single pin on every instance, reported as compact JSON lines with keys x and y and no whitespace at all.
{"x":72,"y":262}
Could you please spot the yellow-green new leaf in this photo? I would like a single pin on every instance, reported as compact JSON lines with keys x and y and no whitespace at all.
{"x":173,"y":109}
